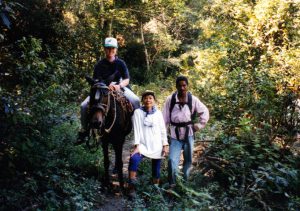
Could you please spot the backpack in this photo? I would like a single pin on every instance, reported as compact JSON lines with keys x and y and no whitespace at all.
{"x":182,"y":124}
{"x":173,"y":102}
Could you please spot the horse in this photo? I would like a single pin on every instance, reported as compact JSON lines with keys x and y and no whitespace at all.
{"x":109,"y":116}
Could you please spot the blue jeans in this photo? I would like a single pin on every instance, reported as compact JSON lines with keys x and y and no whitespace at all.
{"x":137,"y":158}
{"x":174,"y":157}
{"x":135,"y":100}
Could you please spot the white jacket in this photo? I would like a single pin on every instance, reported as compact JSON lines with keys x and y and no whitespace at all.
{"x":149,"y":133}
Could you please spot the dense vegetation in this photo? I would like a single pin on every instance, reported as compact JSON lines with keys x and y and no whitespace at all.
{"x":242,"y":58}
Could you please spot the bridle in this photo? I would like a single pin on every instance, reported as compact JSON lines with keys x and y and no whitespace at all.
{"x":103,"y":90}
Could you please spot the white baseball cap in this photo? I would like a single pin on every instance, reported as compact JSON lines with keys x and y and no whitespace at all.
{"x":111,"y":42}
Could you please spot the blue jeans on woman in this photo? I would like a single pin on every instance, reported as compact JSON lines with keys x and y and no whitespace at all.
{"x":174,"y":157}
{"x":137,"y":158}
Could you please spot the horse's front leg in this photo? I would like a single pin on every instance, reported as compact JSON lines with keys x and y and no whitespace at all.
{"x":118,"y":148}
{"x":106,"y":162}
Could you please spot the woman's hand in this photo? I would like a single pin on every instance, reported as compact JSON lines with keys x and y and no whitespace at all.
{"x":164,"y":151}
{"x":136,"y":150}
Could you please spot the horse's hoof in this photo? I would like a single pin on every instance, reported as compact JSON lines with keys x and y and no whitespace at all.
{"x":115,"y":171}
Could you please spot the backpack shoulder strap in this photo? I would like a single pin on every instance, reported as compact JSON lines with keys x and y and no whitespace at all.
{"x":190,"y":103}
{"x":173,"y":102}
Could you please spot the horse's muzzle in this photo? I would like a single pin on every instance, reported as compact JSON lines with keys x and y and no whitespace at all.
{"x":96,"y":124}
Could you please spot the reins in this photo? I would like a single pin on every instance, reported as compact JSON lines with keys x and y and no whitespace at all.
{"x":115,"y":113}
{"x":93,"y":147}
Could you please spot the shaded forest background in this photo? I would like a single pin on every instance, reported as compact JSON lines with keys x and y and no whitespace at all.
{"x":241,"y":56}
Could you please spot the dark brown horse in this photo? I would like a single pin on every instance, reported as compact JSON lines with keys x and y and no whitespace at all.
{"x":109,"y":123}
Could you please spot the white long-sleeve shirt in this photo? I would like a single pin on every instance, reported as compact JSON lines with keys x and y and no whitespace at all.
{"x":149,"y":133}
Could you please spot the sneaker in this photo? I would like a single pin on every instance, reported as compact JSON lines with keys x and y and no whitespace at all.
{"x":81,"y":137}
{"x":171,"y":187}
{"x":131,"y":189}
{"x":155,"y":182}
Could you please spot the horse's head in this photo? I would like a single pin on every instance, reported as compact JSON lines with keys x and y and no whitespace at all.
{"x":99,"y":103}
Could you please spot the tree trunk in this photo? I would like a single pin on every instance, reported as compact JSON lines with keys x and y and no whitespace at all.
{"x":145,"y":48}
{"x":110,"y":24}
{"x":101,"y":22}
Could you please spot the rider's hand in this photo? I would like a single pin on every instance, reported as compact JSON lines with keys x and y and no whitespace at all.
{"x":114,"y":87}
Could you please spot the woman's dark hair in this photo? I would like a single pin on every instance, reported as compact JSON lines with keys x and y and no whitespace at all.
{"x":182,"y":78}
{"x":148,"y":92}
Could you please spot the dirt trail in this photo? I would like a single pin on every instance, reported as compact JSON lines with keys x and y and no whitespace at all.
{"x":114,"y":203}
{"x":128,"y":145}
{"x":117,"y":201}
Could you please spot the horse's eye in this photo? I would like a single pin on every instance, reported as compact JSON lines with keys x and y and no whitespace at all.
{"x":97,"y":95}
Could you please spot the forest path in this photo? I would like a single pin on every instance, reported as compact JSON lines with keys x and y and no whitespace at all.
{"x":114,"y":203}
{"x":117,"y":201}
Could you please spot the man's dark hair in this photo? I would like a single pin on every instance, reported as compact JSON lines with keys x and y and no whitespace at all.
{"x":182,"y":78}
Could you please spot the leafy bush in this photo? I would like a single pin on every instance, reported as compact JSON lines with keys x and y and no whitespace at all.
{"x":41,"y":169}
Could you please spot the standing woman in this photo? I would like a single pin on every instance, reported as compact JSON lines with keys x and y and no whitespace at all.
{"x":150,"y":138}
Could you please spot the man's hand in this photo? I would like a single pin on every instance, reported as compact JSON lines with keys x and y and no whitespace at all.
{"x":197,"y":127}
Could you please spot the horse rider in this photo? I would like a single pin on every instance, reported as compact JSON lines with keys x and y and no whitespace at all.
{"x":116,"y":70}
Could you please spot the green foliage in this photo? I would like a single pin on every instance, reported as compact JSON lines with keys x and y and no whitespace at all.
{"x":238,"y":67}
{"x":242,"y":60}
{"x":39,"y":125}
{"x":154,"y":197}
{"x":55,"y":181}
{"x":252,"y":169}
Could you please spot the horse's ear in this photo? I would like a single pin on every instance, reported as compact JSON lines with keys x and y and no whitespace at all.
{"x":90,"y":80}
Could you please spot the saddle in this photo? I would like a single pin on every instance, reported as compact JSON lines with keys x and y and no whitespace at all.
{"x":127,"y":107}
{"x":124,"y":102}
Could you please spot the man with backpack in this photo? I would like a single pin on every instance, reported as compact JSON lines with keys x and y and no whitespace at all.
{"x":180,"y":111}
